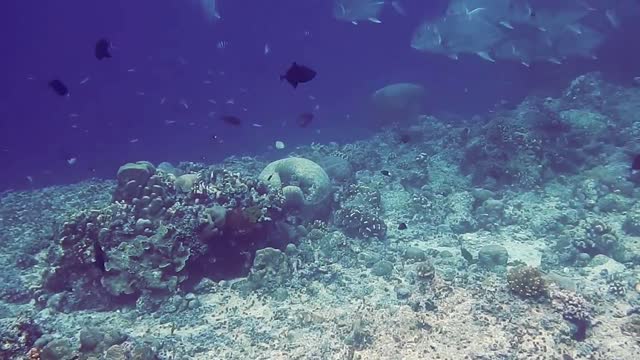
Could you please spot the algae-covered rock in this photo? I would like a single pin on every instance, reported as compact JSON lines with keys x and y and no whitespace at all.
{"x":139,"y":172}
{"x":58,"y":349}
{"x":585,"y":122}
{"x":184,"y":183}
{"x":382,"y":268}
{"x":132,"y":177}
{"x":491,"y":256}
{"x":270,"y":269}
{"x":309,"y":177}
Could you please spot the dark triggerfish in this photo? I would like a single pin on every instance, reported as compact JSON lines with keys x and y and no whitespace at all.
{"x":298,"y":74}
{"x":103,"y":47}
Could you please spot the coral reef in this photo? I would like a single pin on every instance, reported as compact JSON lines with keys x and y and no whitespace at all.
{"x":356,"y":251}
{"x":526,"y":282}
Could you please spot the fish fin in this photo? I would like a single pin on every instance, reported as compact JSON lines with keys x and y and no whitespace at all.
{"x":485,"y":55}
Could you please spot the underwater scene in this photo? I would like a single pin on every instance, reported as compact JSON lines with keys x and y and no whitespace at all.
{"x":320,"y":179}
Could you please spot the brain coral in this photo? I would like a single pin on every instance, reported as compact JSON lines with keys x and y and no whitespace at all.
{"x":302,"y":173}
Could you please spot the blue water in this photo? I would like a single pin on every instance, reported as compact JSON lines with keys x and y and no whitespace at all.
{"x":172,"y":49}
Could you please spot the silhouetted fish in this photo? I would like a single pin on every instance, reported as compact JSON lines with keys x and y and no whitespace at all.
{"x":402,"y":226}
{"x":466,"y":255}
{"x":298,"y":74}
{"x":102,"y":49}
{"x":305,"y":119}
{"x":635,"y":164}
{"x":385,"y":172}
{"x":59,"y":87}
{"x":231,"y":120}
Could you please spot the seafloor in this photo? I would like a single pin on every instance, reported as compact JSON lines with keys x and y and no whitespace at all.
{"x":514,"y":235}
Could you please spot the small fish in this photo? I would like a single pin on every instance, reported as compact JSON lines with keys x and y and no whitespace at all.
{"x":31,"y":77}
{"x":217,"y":139}
{"x":636,"y":81}
{"x":84,"y":81}
{"x":267,"y":49}
{"x":575,"y":29}
{"x":397,"y":6}
{"x":29,"y":179}
{"x":207,"y":82}
{"x":163,"y":100}
{"x":212,"y":101}
{"x":222,"y":44}
{"x":375,"y":20}
{"x":402,"y":226}
{"x":297,"y":74}
{"x":385,"y":172}
{"x":466,"y":255}
{"x":230,"y":101}
{"x":635,"y":164}
{"x":612,"y":16}
{"x":554,"y":60}
{"x":133,"y":141}
{"x":304,"y":119}
{"x":506,"y":24}
{"x":140,"y":93}
{"x":470,"y":13}
{"x":131,"y":70}
{"x":72,"y":160}
{"x":485,"y":55}
{"x":257,"y":125}
{"x":183,"y":102}
{"x":103,"y":47}
{"x":169,"y":122}
{"x":405,"y":138}
{"x":59,"y":87}
{"x":231,"y":120}
{"x":73,"y":115}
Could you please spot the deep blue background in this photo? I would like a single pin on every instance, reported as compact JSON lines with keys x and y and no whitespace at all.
{"x":173,"y":50}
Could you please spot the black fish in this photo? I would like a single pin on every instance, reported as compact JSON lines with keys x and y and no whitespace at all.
{"x":305,"y":119}
{"x":59,"y":87}
{"x":232,"y":120}
{"x":385,"y":172}
{"x":402,"y":226}
{"x":102,"y":49}
{"x":298,"y":74}
{"x":635,"y":165}
{"x":405,"y":138}
{"x":100,"y":257}
{"x":467,"y":255}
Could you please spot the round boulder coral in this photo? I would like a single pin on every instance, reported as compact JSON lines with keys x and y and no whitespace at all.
{"x":309,"y":177}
